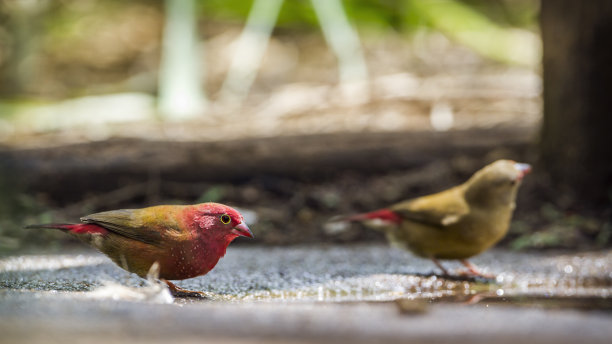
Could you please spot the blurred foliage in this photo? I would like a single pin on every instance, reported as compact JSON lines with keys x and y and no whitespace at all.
{"x":59,"y":48}
{"x":397,"y":15}
{"x":555,"y":228}
{"x":213,"y":194}
{"x":476,"y":31}
{"x":71,"y":47}
{"x":17,"y":209}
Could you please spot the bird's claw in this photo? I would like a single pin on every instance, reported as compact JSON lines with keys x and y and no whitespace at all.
{"x":177,"y":291}
{"x":189,"y":293}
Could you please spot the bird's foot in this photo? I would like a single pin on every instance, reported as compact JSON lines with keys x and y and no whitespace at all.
{"x":474,"y":271}
{"x":177,"y":291}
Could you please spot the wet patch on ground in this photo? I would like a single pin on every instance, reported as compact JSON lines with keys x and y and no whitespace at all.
{"x":336,"y":274}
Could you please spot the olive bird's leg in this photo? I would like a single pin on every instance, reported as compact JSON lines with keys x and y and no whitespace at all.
{"x":437,"y":262}
{"x":473,"y":269}
{"x":180,"y":292}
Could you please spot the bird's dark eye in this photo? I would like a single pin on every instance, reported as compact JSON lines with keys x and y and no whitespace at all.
{"x":225,"y":218}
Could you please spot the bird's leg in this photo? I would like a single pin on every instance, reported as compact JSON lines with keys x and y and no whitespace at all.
{"x":473,"y":269}
{"x":180,"y":292}
{"x":437,"y":262}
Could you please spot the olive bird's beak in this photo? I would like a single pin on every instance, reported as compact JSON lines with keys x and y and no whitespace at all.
{"x":522,"y":168}
{"x":243,"y":230}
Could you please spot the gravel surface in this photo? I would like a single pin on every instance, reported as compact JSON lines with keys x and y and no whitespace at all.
{"x":300,"y":294}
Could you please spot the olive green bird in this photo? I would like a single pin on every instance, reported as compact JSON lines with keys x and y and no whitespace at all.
{"x":457,"y":223}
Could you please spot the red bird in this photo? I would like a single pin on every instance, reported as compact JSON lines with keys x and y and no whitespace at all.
{"x":186,"y":241}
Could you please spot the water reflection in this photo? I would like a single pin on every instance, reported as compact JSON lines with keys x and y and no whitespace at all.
{"x":412,"y":292}
{"x":560,"y":281}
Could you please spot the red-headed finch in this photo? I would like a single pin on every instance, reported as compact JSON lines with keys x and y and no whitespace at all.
{"x":185,"y":240}
{"x":457,"y":223}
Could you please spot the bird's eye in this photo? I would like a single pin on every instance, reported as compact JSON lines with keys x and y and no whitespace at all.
{"x":225,"y":218}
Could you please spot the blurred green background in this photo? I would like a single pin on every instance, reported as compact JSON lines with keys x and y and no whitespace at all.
{"x":107,"y":104}
{"x":59,"y":49}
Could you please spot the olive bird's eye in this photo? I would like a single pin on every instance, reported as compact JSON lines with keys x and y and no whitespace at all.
{"x":225,"y":219}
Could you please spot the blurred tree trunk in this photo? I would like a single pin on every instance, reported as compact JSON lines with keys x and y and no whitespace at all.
{"x":576,"y":137}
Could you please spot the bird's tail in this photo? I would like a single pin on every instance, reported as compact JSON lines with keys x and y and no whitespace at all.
{"x":378,"y":219}
{"x":62,"y":226}
{"x":78,"y":228}
{"x":384,"y":215}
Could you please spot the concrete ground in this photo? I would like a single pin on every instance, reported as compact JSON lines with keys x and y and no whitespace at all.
{"x":365,"y":293}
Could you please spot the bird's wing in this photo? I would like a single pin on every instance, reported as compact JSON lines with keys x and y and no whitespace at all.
{"x":125,"y":223}
{"x":441,"y":209}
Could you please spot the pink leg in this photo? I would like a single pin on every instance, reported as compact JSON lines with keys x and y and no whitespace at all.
{"x":444,"y":271}
{"x":473,"y":269}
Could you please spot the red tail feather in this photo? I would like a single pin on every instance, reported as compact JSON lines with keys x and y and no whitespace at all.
{"x":81,"y":228}
{"x":382,"y":214}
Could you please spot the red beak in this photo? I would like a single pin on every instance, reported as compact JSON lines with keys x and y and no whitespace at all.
{"x":523,"y":168}
{"x":243,"y":230}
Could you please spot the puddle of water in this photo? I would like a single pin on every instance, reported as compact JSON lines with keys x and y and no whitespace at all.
{"x":414,"y":294}
{"x":564,"y":282}
{"x":539,"y":301}
{"x":557,"y":302}
{"x":383,"y":287}
{"x":421,"y":305}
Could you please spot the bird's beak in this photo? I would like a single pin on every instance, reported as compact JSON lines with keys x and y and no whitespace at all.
{"x":243,"y":230}
{"x":522,"y":168}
